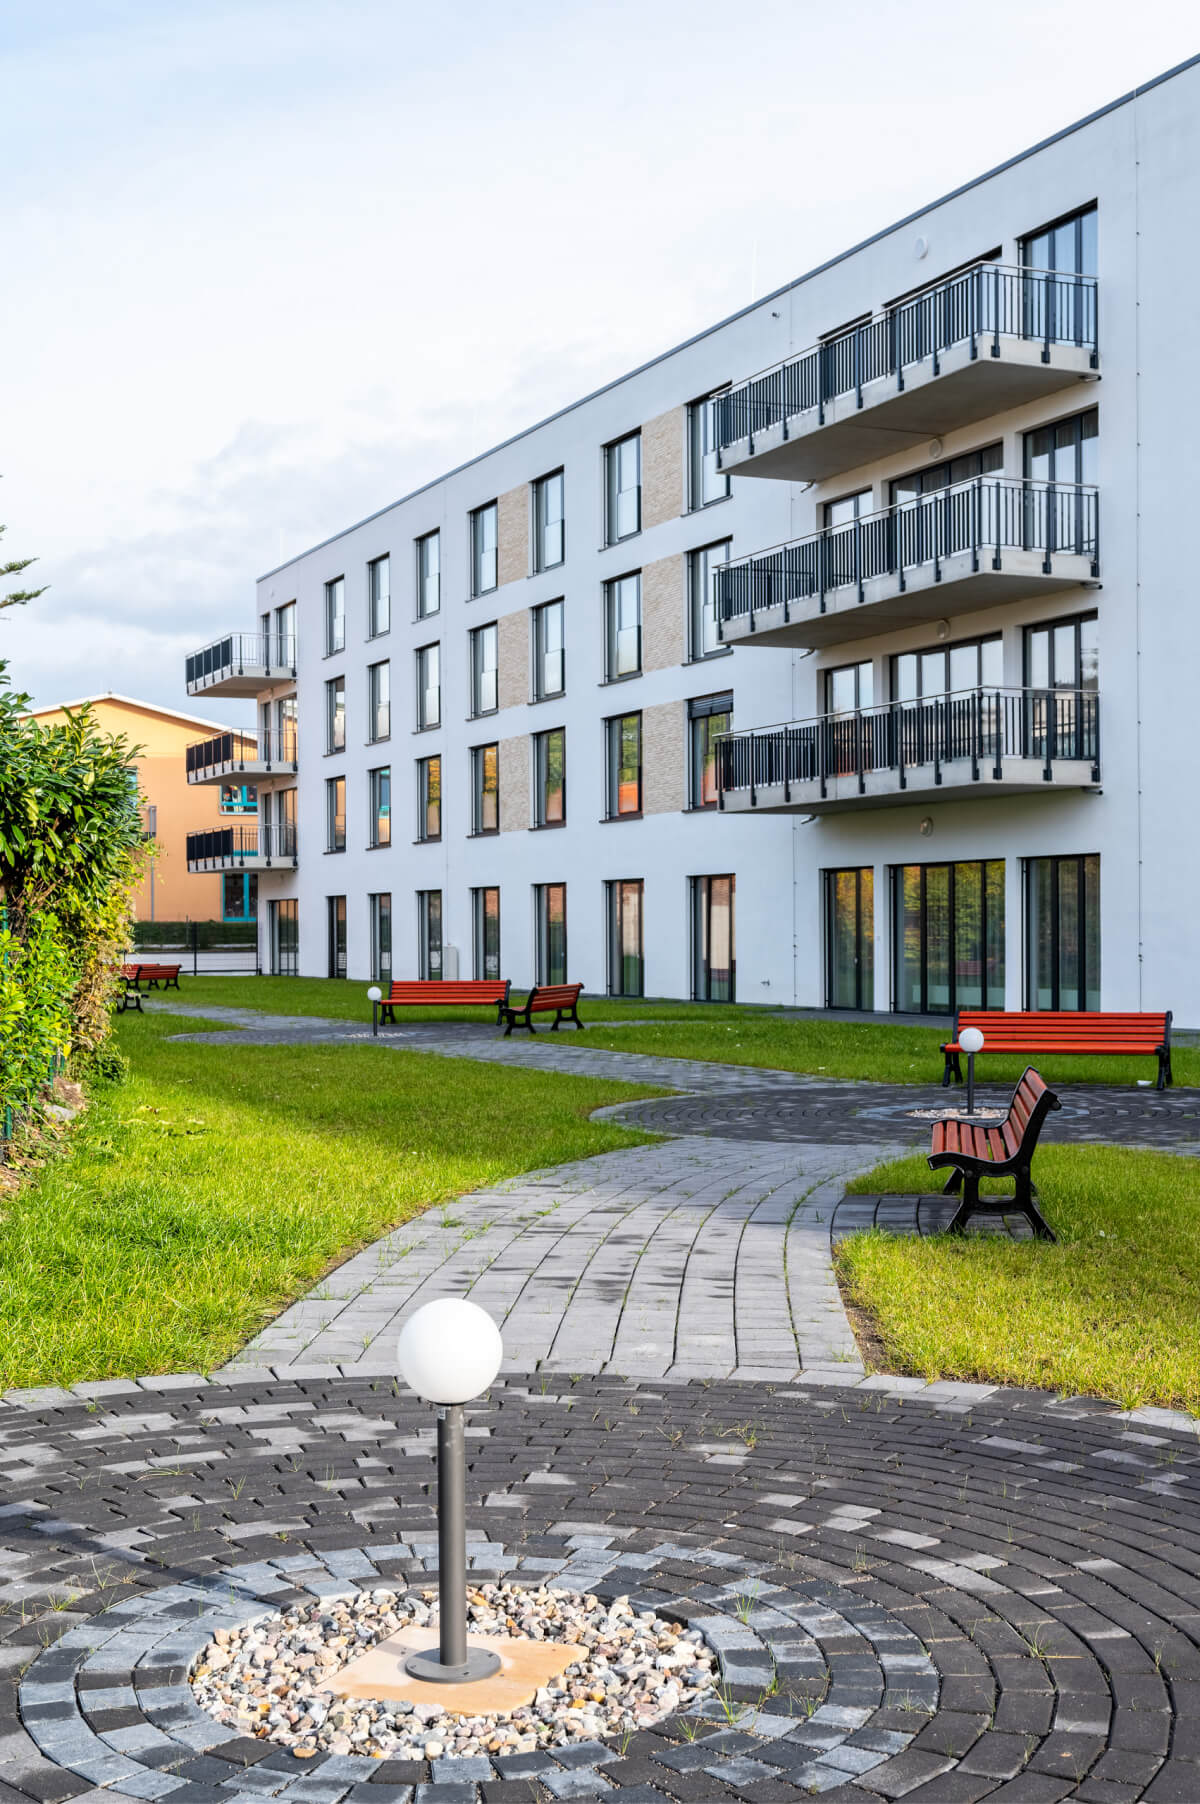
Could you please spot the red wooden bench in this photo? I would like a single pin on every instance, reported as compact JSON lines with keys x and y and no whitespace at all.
{"x":467,"y":992}
{"x":558,"y":999}
{"x":1040,"y":1031}
{"x":151,"y":975}
{"x":1000,"y":1149}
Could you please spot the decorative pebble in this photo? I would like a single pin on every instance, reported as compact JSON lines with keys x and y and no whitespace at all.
{"x":269,"y":1680}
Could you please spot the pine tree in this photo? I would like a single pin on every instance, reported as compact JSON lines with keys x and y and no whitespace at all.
{"x":18,"y":597}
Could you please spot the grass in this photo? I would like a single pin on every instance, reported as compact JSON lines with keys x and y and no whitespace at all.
{"x":192,"y":1203}
{"x":892,"y":1052}
{"x":1112,"y":1310}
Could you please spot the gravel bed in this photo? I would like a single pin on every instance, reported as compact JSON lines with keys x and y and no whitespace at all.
{"x":268,"y":1679}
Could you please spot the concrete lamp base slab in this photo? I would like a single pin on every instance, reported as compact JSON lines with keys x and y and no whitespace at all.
{"x":524,"y":1667}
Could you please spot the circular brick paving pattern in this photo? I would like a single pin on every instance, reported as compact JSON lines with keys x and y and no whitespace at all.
{"x":946,"y":1598}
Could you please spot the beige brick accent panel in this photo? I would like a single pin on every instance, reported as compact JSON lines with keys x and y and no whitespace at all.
{"x":512,"y":534}
{"x":664,"y":604}
{"x":663,"y":754}
{"x":513,"y":651}
{"x":662,"y":467}
{"x":514,"y":783}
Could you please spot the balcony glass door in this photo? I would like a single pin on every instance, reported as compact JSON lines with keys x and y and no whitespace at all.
{"x":850,"y":939}
{"x":1064,"y":456}
{"x":948,"y":936}
{"x":1055,"y":305}
{"x":1061,"y":673}
{"x":1062,"y":932}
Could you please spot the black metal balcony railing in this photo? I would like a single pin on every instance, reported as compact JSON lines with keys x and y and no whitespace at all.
{"x":979,"y":307}
{"x":273,"y":653}
{"x":982,"y":725}
{"x":234,"y":845}
{"x":235,"y":751}
{"x":983,"y":517}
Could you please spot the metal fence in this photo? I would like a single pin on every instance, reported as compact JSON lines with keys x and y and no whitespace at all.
{"x":272,"y":653}
{"x":229,"y":847}
{"x":234,"y":751}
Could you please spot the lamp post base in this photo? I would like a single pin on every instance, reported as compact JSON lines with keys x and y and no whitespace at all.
{"x":480,"y":1663}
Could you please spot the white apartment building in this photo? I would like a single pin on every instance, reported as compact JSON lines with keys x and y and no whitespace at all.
{"x":844,"y":655}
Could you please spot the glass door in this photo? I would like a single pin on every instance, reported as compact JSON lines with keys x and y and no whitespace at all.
{"x":552,"y":933}
{"x":337,"y":935}
{"x":1062,"y":666}
{"x":713,"y":973}
{"x":948,"y":936}
{"x":850,"y":939}
{"x":1062,"y":932}
{"x":1064,"y":456}
{"x":429,"y":906}
{"x":626,"y":973}
{"x":381,"y":938}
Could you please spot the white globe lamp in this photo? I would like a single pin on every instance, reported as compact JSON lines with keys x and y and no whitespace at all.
{"x":375,"y":997}
{"x":971,"y":1041}
{"x":449,"y":1351}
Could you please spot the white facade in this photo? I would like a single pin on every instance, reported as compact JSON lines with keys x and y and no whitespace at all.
{"x":1136,"y":164}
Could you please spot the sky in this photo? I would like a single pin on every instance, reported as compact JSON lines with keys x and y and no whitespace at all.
{"x":270,"y":265}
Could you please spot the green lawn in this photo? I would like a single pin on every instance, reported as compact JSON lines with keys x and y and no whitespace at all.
{"x":1112,"y":1310}
{"x":869,"y":1051}
{"x":195,"y":1201}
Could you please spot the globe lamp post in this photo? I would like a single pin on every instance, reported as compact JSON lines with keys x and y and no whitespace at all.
{"x":375,"y":997}
{"x":971,"y":1041}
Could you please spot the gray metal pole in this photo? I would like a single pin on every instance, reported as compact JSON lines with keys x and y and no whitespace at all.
{"x":970,"y":1083}
{"x":452,"y":1535}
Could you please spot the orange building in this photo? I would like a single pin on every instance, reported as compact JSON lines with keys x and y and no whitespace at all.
{"x":175,"y":806}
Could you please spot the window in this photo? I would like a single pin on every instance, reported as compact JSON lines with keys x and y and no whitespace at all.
{"x":429,"y":687}
{"x":483,"y":548}
{"x":283,"y":933}
{"x":626,"y":972}
{"x":850,"y":938}
{"x":429,"y":798}
{"x":623,"y":486}
{"x":379,"y":700}
{"x":335,"y":908}
{"x":549,"y":657}
{"x":335,"y":616}
{"x":623,"y":605}
{"x":707,"y":483}
{"x":285,"y":634}
{"x":708,"y":717}
{"x":624,"y":765}
{"x":485,"y":658}
{"x":379,"y":597}
{"x":381,"y":937}
{"x":1062,"y":933}
{"x":548,"y":542}
{"x":1062,"y":661}
{"x":485,"y":908}
{"x":550,"y":778}
{"x":713,"y":969}
{"x":550,"y":912}
{"x":1056,"y":305}
{"x":335,"y":715}
{"x":1065,"y":457}
{"x":429,"y":574}
{"x":380,"y":823}
{"x":702,"y":592}
{"x":239,"y":896}
{"x":1069,"y":246}
{"x":287,"y":729}
{"x":237,"y":798}
{"x":485,"y":789}
{"x":850,"y":687}
{"x":335,"y":814}
{"x":948,"y":936}
{"x":984,"y":462}
{"x":429,"y":933}
{"x":974,"y":664}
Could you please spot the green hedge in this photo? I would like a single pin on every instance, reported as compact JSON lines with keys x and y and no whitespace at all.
{"x":148,"y":935}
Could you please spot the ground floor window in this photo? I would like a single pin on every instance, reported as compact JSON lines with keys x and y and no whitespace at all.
{"x":429,"y":933}
{"x":713,"y":969}
{"x":283,"y":926}
{"x":239,"y":896}
{"x":486,"y":911}
{"x":948,"y":927}
{"x":336,"y":906}
{"x":850,"y":938}
{"x":381,"y":938}
{"x":550,"y":905}
{"x":626,"y":964}
{"x":1062,"y":932}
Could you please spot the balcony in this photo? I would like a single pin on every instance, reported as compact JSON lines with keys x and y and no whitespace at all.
{"x":242,"y":849}
{"x":241,"y":664}
{"x":980,"y":342}
{"x":241,"y":755}
{"x":978,"y":742}
{"x":979,"y":543}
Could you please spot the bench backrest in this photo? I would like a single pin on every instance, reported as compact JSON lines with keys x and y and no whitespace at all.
{"x":460,"y":990}
{"x":1038,"y":1030}
{"x":554,"y":995}
{"x":1032,"y":1101}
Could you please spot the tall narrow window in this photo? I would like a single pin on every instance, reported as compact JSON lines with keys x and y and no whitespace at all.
{"x":1062,"y":932}
{"x":948,"y":936}
{"x":379,"y":597}
{"x":550,"y":778}
{"x":379,"y":699}
{"x":335,"y":616}
{"x":286,"y":726}
{"x":549,"y":656}
{"x":335,"y":715}
{"x":429,"y":933}
{"x":921,"y":675}
{"x":380,"y":790}
{"x":239,"y":896}
{"x":709,"y":717}
{"x":1061,"y":678}
{"x":1057,"y":304}
{"x":623,"y":609}
{"x":702,"y":589}
{"x":429,"y":574}
{"x":429,"y":798}
{"x":335,"y":814}
{"x":336,"y":910}
{"x":849,"y":688}
{"x":381,"y":937}
{"x":626,"y":970}
{"x":285,"y":635}
{"x":429,"y":686}
{"x":484,"y":523}
{"x":283,"y":934}
{"x":485,"y":659}
{"x":1065,"y":457}
{"x":623,"y":484}
{"x":707,"y":483}
{"x":550,"y":909}
{"x":486,"y":910}
{"x":713,"y":971}
{"x":850,"y":938}
{"x":548,"y":541}
{"x":485,"y":789}
{"x":624,"y":765}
